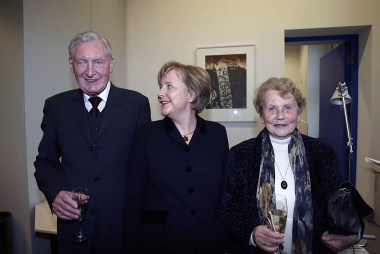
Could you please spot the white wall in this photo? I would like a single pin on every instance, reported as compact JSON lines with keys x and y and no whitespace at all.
{"x":34,"y":65}
{"x":296,"y":70}
{"x":315,"y":52}
{"x":13,"y":174}
{"x":302,"y":66}
{"x":158,"y":31}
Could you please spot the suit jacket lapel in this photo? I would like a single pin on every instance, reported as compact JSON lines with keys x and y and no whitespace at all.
{"x":81,"y":114}
{"x":114,"y":101}
{"x":201,"y":128}
{"x":172,"y":131}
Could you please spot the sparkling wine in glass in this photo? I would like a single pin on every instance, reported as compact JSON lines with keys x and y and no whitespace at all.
{"x":80,"y":196}
{"x":278,"y":211}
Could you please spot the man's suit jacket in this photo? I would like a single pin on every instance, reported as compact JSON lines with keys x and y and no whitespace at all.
{"x":76,"y":151}
{"x":239,"y":208}
{"x":174,"y":190}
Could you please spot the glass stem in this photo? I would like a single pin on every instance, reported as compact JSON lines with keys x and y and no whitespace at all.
{"x":281,"y":247}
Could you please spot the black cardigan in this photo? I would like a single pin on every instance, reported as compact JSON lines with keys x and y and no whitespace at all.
{"x":239,"y":209}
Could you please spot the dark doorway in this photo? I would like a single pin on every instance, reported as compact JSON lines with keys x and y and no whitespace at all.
{"x":340,"y":65}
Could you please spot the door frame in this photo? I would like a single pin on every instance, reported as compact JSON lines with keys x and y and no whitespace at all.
{"x":351,"y":74}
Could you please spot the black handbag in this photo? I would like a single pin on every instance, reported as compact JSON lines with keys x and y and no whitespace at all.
{"x":346,"y":210}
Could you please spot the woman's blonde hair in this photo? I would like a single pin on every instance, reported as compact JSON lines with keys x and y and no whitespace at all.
{"x":195,"y":78}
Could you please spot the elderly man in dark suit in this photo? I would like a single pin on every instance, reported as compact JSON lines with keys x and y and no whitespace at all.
{"x":87,"y":137}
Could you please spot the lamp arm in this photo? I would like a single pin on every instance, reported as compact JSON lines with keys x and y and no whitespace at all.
{"x":349,"y":142}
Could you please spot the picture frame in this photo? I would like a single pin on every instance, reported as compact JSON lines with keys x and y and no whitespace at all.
{"x":231,"y":69}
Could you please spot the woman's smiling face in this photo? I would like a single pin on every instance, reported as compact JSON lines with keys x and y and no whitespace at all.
{"x":174,"y":96}
{"x":280,"y":114}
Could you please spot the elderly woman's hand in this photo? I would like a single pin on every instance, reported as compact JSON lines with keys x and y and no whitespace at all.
{"x":266,"y":239}
{"x":338,"y":242}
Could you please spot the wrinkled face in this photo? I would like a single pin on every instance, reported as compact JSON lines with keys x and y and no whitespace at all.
{"x":174,"y":97}
{"x":91,"y":67}
{"x":280,"y":114}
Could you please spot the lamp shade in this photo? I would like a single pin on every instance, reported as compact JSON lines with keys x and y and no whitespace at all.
{"x":340,"y":92}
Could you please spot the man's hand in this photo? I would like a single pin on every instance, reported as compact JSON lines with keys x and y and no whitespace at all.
{"x":65,"y":207}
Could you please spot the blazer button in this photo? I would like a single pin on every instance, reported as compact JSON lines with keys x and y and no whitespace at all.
{"x":96,"y":179}
{"x":92,"y":147}
{"x":187,"y":149}
{"x":192,"y":212}
{"x":190,"y":190}
{"x":189,"y":169}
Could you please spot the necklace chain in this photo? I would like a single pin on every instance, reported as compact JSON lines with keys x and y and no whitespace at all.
{"x":191,"y":132}
{"x":185,"y":137}
{"x":278,"y":168}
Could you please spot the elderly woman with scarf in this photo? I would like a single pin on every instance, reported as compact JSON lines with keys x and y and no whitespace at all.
{"x":283,"y":161}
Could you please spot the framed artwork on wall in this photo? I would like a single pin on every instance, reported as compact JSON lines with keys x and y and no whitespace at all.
{"x":231,"y":69}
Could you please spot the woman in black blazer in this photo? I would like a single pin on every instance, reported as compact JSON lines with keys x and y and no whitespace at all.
{"x":177,"y":170}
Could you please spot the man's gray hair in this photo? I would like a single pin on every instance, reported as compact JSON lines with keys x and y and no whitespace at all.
{"x":86,"y":37}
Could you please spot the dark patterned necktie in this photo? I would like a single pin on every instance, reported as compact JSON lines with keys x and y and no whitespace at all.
{"x":94,"y":112}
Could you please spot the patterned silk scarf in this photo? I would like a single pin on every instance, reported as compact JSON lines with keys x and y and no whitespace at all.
{"x":303,"y":210}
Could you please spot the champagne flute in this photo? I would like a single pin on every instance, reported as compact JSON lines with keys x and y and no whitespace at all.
{"x":80,"y":196}
{"x":278,"y":211}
